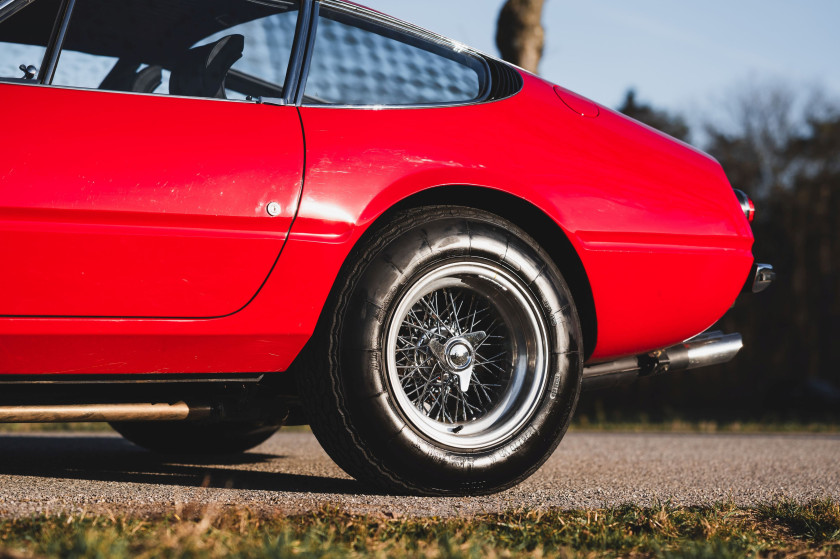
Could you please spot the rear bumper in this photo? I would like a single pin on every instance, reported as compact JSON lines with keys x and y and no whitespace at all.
{"x":760,"y":278}
{"x":709,"y":348}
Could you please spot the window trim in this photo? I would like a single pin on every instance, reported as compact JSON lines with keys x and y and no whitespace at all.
{"x":403,"y":28}
{"x":299,"y":45}
{"x":8,"y":8}
{"x":64,"y":18}
{"x":56,"y":42}
{"x":308,"y":48}
{"x":301,"y":55}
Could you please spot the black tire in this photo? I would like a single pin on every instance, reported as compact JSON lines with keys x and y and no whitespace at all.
{"x":183,"y":437}
{"x":351,"y":381}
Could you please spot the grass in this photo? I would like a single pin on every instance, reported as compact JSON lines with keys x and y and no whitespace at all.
{"x":777,"y":530}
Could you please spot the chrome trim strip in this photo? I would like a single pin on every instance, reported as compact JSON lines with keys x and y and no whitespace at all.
{"x":312,"y":31}
{"x":764,"y":276}
{"x":114,"y":92}
{"x":57,"y":36}
{"x":8,"y":8}
{"x":151,"y":411}
{"x":744,"y":201}
{"x":299,"y":49}
{"x":404,"y":107}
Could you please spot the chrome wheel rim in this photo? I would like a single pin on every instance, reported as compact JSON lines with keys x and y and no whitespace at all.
{"x":467,"y":356}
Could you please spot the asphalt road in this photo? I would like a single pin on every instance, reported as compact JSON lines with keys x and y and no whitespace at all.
{"x":101,"y":473}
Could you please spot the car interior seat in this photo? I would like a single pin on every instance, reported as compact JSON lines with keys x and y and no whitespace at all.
{"x":202,"y":70}
{"x":125,"y":77}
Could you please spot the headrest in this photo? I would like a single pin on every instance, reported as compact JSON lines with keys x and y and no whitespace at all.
{"x":147,"y":79}
{"x":201,"y":71}
{"x":125,"y":77}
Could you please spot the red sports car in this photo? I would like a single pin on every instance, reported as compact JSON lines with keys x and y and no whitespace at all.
{"x":221,"y":216}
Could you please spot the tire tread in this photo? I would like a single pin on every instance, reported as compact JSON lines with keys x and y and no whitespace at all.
{"x":319,"y":373}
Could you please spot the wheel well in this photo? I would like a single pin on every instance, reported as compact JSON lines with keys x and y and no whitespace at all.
{"x":537,"y":224}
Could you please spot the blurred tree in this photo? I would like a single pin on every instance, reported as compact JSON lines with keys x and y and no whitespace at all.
{"x":763,"y":118}
{"x":792,"y":327}
{"x":673,"y":125}
{"x":784,"y":150}
{"x":520,"y":36}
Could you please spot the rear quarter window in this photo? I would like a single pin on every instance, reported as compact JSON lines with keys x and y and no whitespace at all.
{"x":357,"y":61}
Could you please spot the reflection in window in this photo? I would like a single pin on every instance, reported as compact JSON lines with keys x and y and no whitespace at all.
{"x":12,"y":55}
{"x":268,"y":47}
{"x":79,"y":69}
{"x":356,"y":66}
{"x":223,"y":49}
{"x":23,"y":38}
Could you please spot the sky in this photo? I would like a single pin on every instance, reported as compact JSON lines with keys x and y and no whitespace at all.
{"x":678,"y":55}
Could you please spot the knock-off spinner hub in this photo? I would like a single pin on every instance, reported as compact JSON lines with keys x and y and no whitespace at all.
{"x":459,"y":354}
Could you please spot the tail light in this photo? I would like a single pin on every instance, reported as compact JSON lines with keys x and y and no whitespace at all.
{"x":746,"y":204}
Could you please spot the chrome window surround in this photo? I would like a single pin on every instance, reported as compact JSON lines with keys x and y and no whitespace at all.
{"x":306,"y":45}
{"x":64,"y":18}
{"x":299,"y":46}
{"x":59,"y":32}
{"x":10,"y":7}
{"x":404,"y":28}
{"x":305,"y":33}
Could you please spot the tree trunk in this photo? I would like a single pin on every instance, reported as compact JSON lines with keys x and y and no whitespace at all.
{"x":519,"y":33}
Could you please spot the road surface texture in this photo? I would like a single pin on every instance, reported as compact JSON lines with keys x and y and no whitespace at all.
{"x":100,"y":473}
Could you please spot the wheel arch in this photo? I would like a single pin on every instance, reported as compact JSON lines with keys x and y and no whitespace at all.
{"x":534,"y":221}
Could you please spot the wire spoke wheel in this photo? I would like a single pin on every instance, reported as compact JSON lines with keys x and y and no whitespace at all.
{"x":466,"y":355}
{"x":449,"y":362}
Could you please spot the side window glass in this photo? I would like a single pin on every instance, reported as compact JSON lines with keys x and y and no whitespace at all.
{"x":265,"y":58}
{"x":357,"y":62}
{"x":23,"y":40}
{"x":226,"y":49}
{"x":80,"y":69}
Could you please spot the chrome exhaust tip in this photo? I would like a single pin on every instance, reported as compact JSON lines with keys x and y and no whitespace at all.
{"x":714,"y":348}
{"x":706,"y":349}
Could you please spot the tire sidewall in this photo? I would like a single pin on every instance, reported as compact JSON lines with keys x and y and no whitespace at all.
{"x":379,"y":421}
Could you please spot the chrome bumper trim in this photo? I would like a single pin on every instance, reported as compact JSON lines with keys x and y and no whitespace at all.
{"x":762,"y":276}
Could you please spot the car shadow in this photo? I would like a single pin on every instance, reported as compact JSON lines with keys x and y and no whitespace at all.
{"x":112,"y":459}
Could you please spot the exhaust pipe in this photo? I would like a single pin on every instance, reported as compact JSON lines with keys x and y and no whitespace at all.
{"x":179,"y":411}
{"x":709,"y":348}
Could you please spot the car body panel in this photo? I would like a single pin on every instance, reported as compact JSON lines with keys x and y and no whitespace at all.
{"x":654,"y":222}
{"x":122,"y":205}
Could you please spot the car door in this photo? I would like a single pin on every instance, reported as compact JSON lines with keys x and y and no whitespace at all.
{"x":145,"y":180}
